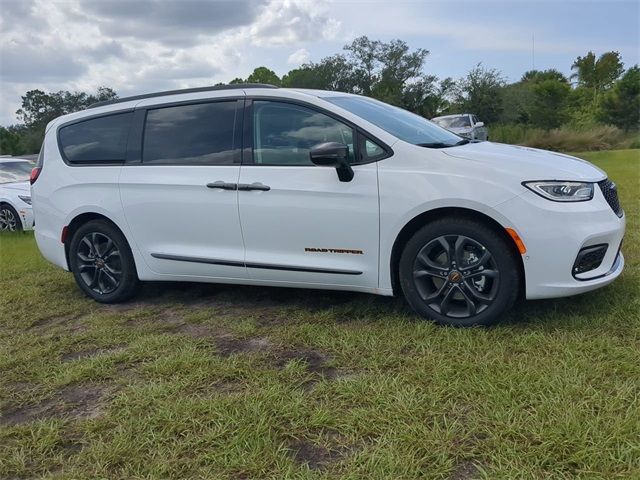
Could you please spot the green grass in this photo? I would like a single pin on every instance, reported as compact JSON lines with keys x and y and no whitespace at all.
{"x":205,"y":381}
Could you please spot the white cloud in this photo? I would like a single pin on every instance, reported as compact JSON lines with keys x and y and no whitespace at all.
{"x":298,"y":57}
{"x":139,"y":46}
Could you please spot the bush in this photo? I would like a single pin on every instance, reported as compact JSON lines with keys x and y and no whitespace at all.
{"x":566,"y":138}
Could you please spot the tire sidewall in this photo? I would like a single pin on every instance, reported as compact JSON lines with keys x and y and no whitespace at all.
{"x":501,"y":251}
{"x":129,"y":279}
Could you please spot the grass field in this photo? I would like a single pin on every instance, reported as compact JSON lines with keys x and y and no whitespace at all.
{"x":235,"y":382}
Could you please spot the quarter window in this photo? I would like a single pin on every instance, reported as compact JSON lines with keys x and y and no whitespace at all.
{"x":200,"y":134}
{"x":97,"y":140}
{"x":283,"y":133}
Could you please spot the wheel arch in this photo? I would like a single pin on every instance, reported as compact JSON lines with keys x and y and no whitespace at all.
{"x":417,"y":222}
{"x":79,"y":220}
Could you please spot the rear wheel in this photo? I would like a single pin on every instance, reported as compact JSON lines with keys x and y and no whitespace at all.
{"x":459,"y":272}
{"x":9,"y":219}
{"x":102,"y":263}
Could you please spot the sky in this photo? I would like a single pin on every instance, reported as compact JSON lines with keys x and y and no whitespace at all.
{"x":142,"y":46}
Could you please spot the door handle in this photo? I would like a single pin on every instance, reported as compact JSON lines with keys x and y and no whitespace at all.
{"x":253,"y":186}
{"x":223,"y":185}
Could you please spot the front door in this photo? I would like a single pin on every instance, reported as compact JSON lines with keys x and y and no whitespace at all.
{"x":180,"y":200}
{"x":300,"y":223}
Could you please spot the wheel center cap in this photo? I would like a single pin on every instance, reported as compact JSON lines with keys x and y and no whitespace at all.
{"x":455,"y":276}
{"x":100,"y":263}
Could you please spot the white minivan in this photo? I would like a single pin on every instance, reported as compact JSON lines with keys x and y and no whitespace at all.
{"x":257,"y":185}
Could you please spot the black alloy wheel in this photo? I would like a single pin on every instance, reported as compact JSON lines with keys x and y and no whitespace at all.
{"x":99,"y":263}
{"x":460,"y":272}
{"x":456,"y":276}
{"x":102,"y":263}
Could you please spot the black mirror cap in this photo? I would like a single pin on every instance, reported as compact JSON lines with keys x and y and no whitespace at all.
{"x":329,"y":154}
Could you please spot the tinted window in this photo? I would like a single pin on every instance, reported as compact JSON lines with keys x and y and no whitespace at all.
{"x":284,"y":133}
{"x":102,"y":139}
{"x":200,"y":134}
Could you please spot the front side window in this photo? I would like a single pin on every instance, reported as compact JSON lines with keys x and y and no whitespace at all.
{"x":97,"y":140}
{"x":398,"y":122}
{"x":284,"y":133}
{"x":198,"y":134}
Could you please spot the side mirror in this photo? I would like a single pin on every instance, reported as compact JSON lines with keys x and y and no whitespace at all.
{"x":333,"y":154}
{"x":479,"y":124}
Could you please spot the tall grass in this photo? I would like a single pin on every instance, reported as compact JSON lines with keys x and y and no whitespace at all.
{"x":566,"y":138}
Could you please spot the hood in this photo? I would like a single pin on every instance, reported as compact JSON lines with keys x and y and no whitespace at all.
{"x":529,"y":163}
{"x":19,"y":186}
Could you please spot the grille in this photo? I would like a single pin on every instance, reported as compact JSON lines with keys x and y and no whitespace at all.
{"x":610,"y":192}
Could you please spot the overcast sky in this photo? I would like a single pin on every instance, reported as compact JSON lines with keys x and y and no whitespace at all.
{"x":138,"y":46}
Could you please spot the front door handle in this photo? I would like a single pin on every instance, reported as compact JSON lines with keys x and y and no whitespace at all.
{"x":253,"y":186}
{"x":223,"y":185}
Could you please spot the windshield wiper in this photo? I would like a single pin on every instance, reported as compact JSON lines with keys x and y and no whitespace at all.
{"x":464,"y":141}
{"x":435,"y":145}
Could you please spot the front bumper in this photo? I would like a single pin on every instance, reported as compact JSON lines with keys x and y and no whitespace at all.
{"x":554,"y":233}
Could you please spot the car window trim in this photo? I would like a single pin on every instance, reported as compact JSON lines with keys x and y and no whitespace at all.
{"x":136,"y":137}
{"x":89,"y":163}
{"x":247,"y":137}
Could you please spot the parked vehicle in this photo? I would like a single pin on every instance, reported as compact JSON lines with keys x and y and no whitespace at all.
{"x":466,"y":125}
{"x":15,"y":196}
{"x":315,"y":189}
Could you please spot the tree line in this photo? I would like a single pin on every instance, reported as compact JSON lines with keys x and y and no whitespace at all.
{"x":598,"y":91}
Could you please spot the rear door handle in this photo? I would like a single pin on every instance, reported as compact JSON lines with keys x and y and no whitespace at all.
{"x":253,"y":186}
{"x":223,"y":185}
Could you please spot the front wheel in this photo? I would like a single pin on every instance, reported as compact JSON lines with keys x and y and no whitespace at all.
{"x":102,"y":262}
{"x":460,"y":273}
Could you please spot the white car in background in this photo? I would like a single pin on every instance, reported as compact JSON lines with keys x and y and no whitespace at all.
{"x":16,"y":213}
{"x":466,"y":125}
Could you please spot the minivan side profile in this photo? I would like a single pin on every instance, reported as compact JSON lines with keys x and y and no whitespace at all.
{"x":258,"y":185}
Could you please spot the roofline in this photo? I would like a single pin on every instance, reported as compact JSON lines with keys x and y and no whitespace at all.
{"x":235,"y":86}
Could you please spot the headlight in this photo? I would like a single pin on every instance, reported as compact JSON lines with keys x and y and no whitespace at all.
{"x":561,"y":191}
{"x":25,"y":198}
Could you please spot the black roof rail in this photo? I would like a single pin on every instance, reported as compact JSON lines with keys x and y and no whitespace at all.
{"x":232,"y":86}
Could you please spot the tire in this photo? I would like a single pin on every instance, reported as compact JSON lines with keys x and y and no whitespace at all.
{"x":102,"y":263}
{"x":460,"y":273}
{"x":9,"y":219}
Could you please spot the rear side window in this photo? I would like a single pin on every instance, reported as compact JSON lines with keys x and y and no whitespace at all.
{"x":200,"y":134}
{"x":97,"y":140}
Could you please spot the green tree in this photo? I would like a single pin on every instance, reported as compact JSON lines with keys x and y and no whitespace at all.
{"x":480,"y":93}
{"x":331,"y":73}
{"x":597,"y":74}
{"x":545,"y":104}
{"x":11,"y":142}
{"x":621,"y":105}
{"x":264,"y":75}
{"x":39,"y":108}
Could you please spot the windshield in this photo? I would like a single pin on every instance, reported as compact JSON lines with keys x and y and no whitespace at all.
{"x":14,"y":171}
{"x":398,"y":122}
{"x":453,"y":122}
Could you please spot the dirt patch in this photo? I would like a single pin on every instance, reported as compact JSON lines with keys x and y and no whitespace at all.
{"x":316,"y":457}
{"x":84,"y":400}
{"x":314,"y":361}
{"x":72,"y":322}
{"x":225,"y":342}
{"x":465,"y":470}
{"x":91,"y":352}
